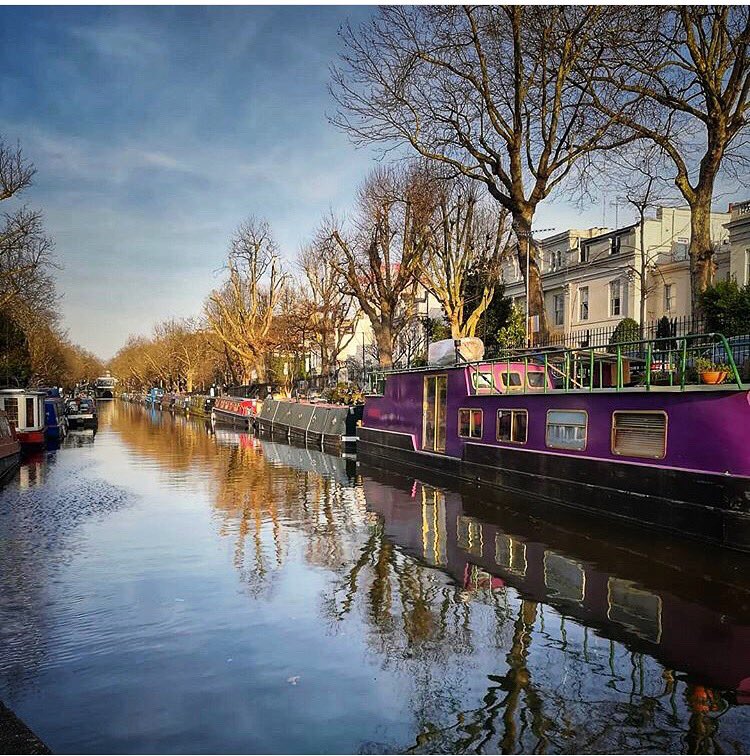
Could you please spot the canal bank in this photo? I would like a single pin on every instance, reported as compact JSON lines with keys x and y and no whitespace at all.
{"x":166,"y":587}
{"x":16,"y":737}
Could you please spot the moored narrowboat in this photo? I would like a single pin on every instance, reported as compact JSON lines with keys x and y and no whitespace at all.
{"x":55,"y":420}
{"x":81,"y":413}
{"x":630,"y":433}
{"x":10,"y":449}
{"x":232,"y":410}
{"x":25,"y":410}
{"x":200,"y":405}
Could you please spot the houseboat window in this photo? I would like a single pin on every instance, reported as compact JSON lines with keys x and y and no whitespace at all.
{"x":511,"y":380}
{"x":563,"y":577}
{"x":637,"y":610}
{"x":470,"y":423}
{"x":510,"y":554}
{"x":483,"y":382}
{"x":639,"y":434}
{"x":469,"y":535}
{"x":536,"y":379}
{"x":512,"y":425}
{"x":566,"y":429}
{"x":30,"y":411}
{"x":11,"y":409}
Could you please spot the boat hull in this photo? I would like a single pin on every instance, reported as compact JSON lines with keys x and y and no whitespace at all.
{"x":31,"y":437}
{"x":83,"y":421}
{"x":703,"y":506}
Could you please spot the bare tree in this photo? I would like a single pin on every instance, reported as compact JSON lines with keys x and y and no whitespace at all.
{"x":241,"y":312}
{"x":379,"y":255}
{"x":484,"y":90}
{"x":184,"y":346}
{"x":465,"y":237}
{"x":334,"y":312}
{"x":682,"y":81}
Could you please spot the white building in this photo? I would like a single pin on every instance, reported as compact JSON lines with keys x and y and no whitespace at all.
{"x":739,"y":242}
{"x":594,"y":278}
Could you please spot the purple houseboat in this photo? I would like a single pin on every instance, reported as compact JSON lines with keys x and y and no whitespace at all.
{"x":631,"y":432}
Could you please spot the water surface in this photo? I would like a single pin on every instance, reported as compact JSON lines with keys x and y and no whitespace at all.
{"x":167,"y":589}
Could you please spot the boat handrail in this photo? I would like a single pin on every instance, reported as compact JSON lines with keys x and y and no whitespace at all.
{"x":671,"y":357}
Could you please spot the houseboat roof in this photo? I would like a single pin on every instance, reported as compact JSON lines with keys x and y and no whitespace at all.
{"x":34,"y":392}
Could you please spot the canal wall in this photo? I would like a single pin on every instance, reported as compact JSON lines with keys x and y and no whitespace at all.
{"x":16,"y":737}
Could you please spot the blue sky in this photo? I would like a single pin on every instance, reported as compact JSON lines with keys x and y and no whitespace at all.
{"x":156,"y":131}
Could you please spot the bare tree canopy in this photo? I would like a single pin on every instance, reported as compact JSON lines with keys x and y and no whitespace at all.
{"x":485,"y":90}
{"x":332,"y":311}
{"x":465,"y":237}
{"x":241,"y":312}
{"x":680,"y":78}
{"x":379,"y":254}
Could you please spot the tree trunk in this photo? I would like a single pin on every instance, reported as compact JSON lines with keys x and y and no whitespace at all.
{"x":526,"y":247}
{"x":384,"y":340}
{"x":702,"y":265}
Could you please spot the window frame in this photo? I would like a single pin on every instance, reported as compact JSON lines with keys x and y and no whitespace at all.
{"x":471,"y":411}
{"x":612,"y":298}
{"x":513,"y":411}
{"x":581,"y":289}
{"x":668,"y":297}
{"x":508,"y":386}
{"x":558,"y":298}
{"x":638,"y":412}
{"x":585,"y":427}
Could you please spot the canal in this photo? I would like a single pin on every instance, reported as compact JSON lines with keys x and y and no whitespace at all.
{"x":167,"y":589}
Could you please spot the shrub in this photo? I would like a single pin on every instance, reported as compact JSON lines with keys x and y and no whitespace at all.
{"x":627,"y":330}
{"x":726,"y":307}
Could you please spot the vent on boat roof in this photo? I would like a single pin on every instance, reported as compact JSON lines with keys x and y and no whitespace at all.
{"x":640,"y":434}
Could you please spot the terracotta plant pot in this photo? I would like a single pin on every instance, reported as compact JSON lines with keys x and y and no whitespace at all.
{"x":713,"y":376}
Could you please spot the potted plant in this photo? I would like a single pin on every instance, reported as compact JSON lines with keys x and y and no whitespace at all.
{"x":711,"y":372}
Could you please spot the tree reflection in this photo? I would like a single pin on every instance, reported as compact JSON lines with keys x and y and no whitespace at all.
{"x":435,"y":611}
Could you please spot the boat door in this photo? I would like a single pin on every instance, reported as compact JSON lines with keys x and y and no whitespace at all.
{"x":434,"y":406}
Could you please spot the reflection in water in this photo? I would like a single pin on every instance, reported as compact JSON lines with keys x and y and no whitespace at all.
{"x":232,"y":594}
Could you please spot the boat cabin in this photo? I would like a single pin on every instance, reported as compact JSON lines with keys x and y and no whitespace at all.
{"x":25,"y":410}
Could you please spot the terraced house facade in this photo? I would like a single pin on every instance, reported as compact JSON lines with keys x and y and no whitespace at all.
{"x":593,"y":278}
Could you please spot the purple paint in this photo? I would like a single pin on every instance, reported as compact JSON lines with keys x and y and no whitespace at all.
{"x":707,"y":430}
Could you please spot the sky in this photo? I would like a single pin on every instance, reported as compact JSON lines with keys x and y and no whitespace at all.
{"x":156,"y":131}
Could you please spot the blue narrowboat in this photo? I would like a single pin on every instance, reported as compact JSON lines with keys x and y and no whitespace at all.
{"x":56,"y":424}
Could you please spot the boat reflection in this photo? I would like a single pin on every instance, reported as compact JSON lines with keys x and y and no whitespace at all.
{"x":646,"y":600}
{"x":511,"y":631}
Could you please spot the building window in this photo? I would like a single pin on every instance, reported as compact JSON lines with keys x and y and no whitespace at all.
{"x":566,"y":429}
{"x":747,"y":266}
{"x":668,"y":297}
{"x":583,"y":253}
{"x":614,"y":245}
{"x":680,"y":249}
{"x":512,"y":426}
{"x":559,"y":307}
{"x":556,"y":260}
{"x":615,"y":304}
{"x":470,"y":423}
{"x":639,"y":434}
{"x":583,"y":299}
